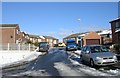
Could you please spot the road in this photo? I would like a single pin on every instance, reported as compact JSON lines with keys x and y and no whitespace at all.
{"x":58,"y":62}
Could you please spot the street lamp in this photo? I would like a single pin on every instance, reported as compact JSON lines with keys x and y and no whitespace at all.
{"x":80,"y":37}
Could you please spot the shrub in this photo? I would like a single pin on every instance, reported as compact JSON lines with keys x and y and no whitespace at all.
{"x":36,"y":44}
{"x":55,"y":45}
{"x":117,"y":48}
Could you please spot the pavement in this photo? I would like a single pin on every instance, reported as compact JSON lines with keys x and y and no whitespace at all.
{"x":16,"y":58}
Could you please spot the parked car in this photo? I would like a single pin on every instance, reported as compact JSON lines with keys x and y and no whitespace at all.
{"x":43,"y":47}
{"x":71,"y":45}
{"x":61,"y":45}
{"x":97,"y":55}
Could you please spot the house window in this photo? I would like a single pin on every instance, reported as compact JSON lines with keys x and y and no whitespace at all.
{"x":117,"y":25}
{"x":55,"y":42}
{"x":50,"y":40}
{"x":39,"y":40}
{"x":47,"y":40}
{"x":31,"y":39}
{"x":23,"y":35}
{"x":107,"y":35}
{"x":17,"y":32}
{"x":11,"y":36}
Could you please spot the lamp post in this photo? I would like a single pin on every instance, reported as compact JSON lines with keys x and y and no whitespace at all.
{"x":80,"y":37}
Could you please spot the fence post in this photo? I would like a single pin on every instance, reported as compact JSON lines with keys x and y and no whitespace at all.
{"x":29,"y":47}
{"x":8,"y":46}
{"x":19,"y":46}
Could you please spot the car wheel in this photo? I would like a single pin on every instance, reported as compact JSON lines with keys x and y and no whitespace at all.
{"x":66,"y":49}
{"x":81,"y":59}
{"x":92,"y":63}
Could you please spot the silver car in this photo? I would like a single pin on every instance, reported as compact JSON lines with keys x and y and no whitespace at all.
{"x":97,"y":55}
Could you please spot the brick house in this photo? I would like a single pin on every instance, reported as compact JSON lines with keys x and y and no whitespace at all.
{"x":86,"y":38}
{"x":9,"y":33}
{"x":72,"y":36}
{"x":51,"y":40}
{"x":92,"y":38}
{"x":115,"y":27}
{"x":107,"y":36}
{"x":34,"y":38}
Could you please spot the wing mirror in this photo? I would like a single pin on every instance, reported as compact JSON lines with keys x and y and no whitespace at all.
{"x":87,"y":52}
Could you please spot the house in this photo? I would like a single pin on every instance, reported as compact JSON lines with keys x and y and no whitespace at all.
{"x":10,"y":33}
{"x":86,"y":38}
{"x":51,"y":40}
{"x":72,"y":36}
{"x":92,"y":38}
{"x":107,"y":36}
{"x":115,"y":27}
{"x":21,"y":38}
{"x":34,"y":38}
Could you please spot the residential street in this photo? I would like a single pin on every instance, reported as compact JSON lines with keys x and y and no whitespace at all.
{"x":60,"y":38}
{"x":58,"y":62}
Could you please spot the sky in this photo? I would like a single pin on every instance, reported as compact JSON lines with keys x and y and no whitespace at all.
{"x":59,"y":19}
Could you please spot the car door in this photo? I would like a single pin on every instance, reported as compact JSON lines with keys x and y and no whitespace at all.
{"x":87,"y":54}
{"x":83,"y":53}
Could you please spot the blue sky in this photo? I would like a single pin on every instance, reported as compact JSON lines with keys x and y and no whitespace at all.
{"x":59,"y":19}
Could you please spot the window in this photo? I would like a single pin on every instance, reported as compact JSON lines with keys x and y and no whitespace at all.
{"x":47,"y":40}
{"x":84,"y":49}
{"x":17,"y":32}
{"x":50,"y":40}
{"x":87,"y":49}
{"x":55,"y":42}
{"x":39,"y":40}
{"x":117,"y":25}
{"x":23,"y":35}
{"x":11,"y":36}
{"x":31,"y":39}
{"x":96,"y":49}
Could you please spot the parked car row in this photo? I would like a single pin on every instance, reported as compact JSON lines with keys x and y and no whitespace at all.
{"x":95,"y":55}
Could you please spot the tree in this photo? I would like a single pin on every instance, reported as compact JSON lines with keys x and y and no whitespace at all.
{"x":36,"y":44}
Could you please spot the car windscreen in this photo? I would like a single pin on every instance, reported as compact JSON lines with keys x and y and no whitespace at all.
{"x":95,"y":49}
{"x":71,"y":44}
{"x":43,"y":44}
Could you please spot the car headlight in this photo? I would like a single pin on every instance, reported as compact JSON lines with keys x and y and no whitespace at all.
{"x":114,"y":57}
{"x":98,"y":58}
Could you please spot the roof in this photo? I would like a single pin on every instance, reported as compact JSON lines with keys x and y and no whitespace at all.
{"x":85,"y":33}
{"x":92,"y":35}
{"x":49,"y":37}
{"x":33,"y":36}
{"x":115,"y":20}
{"x":73,"y":35}
{"x":105,"y":32}
{"x":8,"y":25}
{"x":41,"y":37}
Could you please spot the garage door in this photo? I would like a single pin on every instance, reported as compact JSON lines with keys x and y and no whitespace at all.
{"x":92,"y":41}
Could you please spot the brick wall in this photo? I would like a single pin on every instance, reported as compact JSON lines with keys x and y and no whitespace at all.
{"x":115,"y":35}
